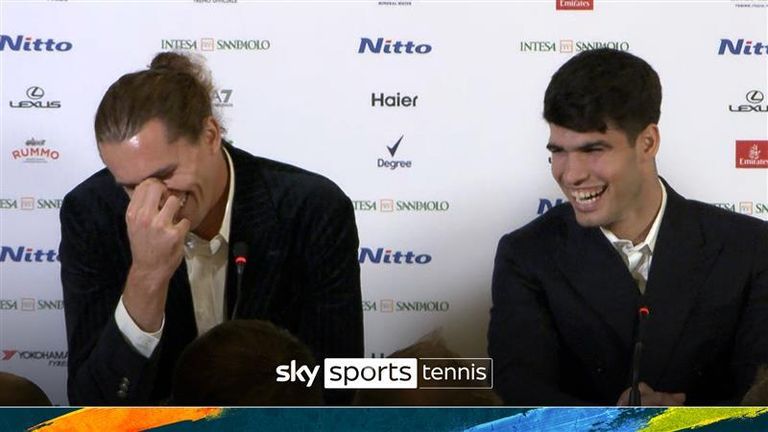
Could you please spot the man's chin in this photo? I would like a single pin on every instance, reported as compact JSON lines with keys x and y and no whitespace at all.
{"x":588,"y":220}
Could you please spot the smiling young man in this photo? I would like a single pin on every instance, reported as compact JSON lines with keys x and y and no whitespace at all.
{"x":147,"y":243}
{"x":568,"y":286}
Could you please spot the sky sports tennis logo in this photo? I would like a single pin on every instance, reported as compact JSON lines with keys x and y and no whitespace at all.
{"x":28,"y":43}
{"x":393,"y":373}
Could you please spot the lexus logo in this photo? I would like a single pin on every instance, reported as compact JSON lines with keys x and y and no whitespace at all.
{"x":35,"y":92}
{"x":755,"y":96}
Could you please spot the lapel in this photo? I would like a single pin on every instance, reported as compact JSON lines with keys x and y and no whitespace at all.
{"x":255,"y":222}
{"x":597,"y":273}
{"x":682,"y":261}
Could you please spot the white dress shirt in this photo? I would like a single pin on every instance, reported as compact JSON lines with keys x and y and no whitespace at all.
{"x":207,"y":270}
{"x":638,"y":257}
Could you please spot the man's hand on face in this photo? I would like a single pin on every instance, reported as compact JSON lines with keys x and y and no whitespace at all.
{"x":157,"y":248}
{"x":650,"y":397}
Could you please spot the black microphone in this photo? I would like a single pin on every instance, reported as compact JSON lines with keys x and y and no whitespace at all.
{"x":240,"y":252}
{"x":634,"y":393}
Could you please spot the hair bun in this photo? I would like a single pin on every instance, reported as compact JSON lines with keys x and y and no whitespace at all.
{"x":183,"y":63}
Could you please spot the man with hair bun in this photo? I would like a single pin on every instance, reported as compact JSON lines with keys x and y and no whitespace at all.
{"x":147,"y":243}
{"x":573,"y":288}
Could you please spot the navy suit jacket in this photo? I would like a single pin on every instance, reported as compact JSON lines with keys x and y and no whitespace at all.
{"x":302,"y":274}
{"x":565,"y":308}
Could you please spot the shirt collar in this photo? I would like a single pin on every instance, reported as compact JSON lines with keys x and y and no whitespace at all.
{"x":193,"y":240}
{"x":653,"y":233}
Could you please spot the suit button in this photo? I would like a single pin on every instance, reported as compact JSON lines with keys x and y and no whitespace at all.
{"x":122,"y":394}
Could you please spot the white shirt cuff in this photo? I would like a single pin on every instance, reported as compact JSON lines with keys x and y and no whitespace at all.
{"x":145,"y":343}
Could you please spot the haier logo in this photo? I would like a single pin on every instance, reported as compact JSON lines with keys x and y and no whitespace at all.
{"x":742,"y":47}
{"x":26,"y":254}
{"x":27,"y":43}
{"x":545,"y":205}
{"x":387,"y":46}
{"x":388,"y":256}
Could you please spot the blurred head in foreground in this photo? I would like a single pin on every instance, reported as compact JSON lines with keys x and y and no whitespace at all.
{"x":18,"y":391}
{"x":234,"y":364}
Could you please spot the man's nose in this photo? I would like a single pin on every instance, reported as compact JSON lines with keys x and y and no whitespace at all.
{"x":576,"y":169}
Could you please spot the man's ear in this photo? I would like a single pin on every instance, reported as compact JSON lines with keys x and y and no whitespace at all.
{"x":648,"y":142}
{"x":212,"y":134}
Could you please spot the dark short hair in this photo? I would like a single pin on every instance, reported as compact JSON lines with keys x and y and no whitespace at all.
{"x":234,"y":364}
{"x":175,"y":89}
{"x":604,"y":87}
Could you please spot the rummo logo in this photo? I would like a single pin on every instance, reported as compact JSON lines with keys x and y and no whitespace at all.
{"x":24,"y":254}
{"x":752,"y":154}
{"x":393,"y":163}
{"x":390,"y":256}
{"x":570,"y":46}
{"x":742,"y":47}
{"x":54,"y":358}
{"x":546,"y":204}
{"x":35,"y":95}
{"x":28,"y":43}
{"x":574,"y":4}
{"x":388,"y":46}
{"x":35,"y":151}
{"x":754,"y":100}
{"x":211,"y":44}
{"x":30,"y":203}
{"x":392,"y":306}
{"x":389,"y":205}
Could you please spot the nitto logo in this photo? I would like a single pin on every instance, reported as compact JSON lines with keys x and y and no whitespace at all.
{"x":742,"y":47}
{"x":388,"y":256}
{"x":388,"y":47}
{"x":27,"y":43}
{"x":545,"y":205}
{"x":26,"y":254}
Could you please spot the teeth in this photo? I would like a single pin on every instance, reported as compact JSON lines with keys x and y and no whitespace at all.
{"x":587,"y":196}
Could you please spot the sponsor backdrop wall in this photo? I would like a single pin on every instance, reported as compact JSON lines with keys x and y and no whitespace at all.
{"x":428,"y":115}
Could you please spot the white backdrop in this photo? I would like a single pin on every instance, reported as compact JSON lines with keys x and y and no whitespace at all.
{"x":474,"y":138}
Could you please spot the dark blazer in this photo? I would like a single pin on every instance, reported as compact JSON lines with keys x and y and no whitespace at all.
{"x":302,"y":274}
{"x":565,"y":306}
